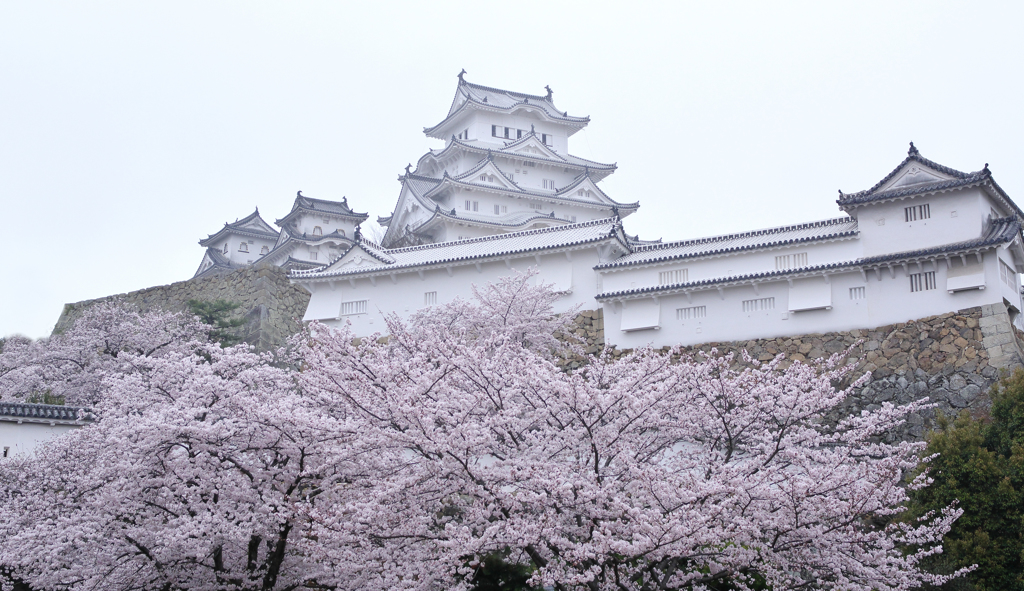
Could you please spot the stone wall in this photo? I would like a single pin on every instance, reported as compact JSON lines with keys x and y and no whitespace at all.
{"x":271,"y":306}
{"x":953,"y":359}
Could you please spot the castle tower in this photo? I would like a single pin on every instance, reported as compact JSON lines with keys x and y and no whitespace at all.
{"x":505,"y":167}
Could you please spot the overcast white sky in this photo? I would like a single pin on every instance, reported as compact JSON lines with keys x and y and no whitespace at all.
{"x":130,"y":130}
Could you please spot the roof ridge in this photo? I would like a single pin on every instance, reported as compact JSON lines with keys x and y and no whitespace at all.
{"x":508,"y":92}
{"x":913,"y":155}
{"x":562,"y":160}
{"x":505,"y":235}
{"x":946,"y":248}
{"x":707,"y":239}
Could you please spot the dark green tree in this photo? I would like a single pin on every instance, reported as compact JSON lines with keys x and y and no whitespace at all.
{"x":219,"y":315}
{"x":981,"y":465}
{"x":495,"y":573}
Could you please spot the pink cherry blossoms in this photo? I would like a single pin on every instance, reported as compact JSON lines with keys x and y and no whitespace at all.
{"x":359,"y":464}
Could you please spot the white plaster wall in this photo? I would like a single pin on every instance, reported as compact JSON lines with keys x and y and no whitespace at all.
{"x":729,"y":265}
{"x":955,"y":217}
{"x":479,"y":125}
{"x":255,"y":246}
{"x":23,"y":438}
{"x":406,"y":294}
{"x":888,"y":300}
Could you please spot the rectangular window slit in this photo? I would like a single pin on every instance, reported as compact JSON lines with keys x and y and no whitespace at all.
{"x":922,"y":281}
{"x":917,"y":212}
{"x":857,"y":293}
{"x":355,"y":307}
{"x":790,"y":261}
{"x":691,"y":312}
{"x":758,"y":304}
{"x":673,"y":277}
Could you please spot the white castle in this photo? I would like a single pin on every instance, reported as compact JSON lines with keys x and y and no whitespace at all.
{"x":505,"y":194}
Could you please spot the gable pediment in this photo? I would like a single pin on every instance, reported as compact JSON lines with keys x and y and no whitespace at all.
{"x":914,"y":174}
{"x":356,"y":258}
{"x":586,"y":190}
{"x":532,"y":146}
{"x":489,"y":175}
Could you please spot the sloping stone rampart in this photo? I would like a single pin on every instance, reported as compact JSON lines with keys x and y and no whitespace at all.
{"x":953,"y":359}
{"x":271,"y":306}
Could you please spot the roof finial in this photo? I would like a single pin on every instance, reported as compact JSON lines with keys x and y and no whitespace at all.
{"x":407,"y":167}
{"x":344,"y":201}
{"x":550,"y":92}
{"x":840,"y":193}
{"x":532,"y":130}
{"x":912,"y":150}
{"x":986,"y":168}
{"x":488,"y":153}
{"x":358,"y":234}
{"x":298,"y":194}
{"x":615,"y":212}
{"x":461,"y":74}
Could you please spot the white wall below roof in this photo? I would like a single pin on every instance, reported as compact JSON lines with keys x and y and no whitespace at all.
{"x":23,"y":438}
{"x":955,"y":217}
{"x":243,"y":258}
{"x":728,"y":265}
{"x":406,"y":294}
{"x":887,"y":300}
{"x":479,"y":125}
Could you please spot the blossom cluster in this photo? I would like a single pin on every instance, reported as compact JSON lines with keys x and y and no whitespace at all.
{"x":402,"y":462}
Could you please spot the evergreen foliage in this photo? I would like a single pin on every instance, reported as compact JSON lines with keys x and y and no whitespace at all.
{"x":981,"y":465}
{"x":218,"y":315}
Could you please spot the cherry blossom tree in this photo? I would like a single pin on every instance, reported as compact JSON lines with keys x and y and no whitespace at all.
{"x":411,"y":462}
{"x":198,"y":475}
{"x":70,"y":367}
{"x":640,"y":474}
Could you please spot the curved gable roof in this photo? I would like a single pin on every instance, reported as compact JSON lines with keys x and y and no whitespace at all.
{"x":477,"y":96}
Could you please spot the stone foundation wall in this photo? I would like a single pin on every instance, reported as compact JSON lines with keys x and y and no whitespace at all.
{"x":271,"y":306}
{"x":953,"y":359}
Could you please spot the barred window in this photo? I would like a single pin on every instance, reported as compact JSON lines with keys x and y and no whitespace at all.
{"x":691,"y":312}
{"x":430,"y":298}
{"x":790,"y":261}
{"x":758,"y":304}
{"x":355,"y":307}
{"x":672,"y":277}
{"x":858,"y":293}
{"x":922,"y":281}
{"x":1008,"y":275}
{"x":917,"y":212}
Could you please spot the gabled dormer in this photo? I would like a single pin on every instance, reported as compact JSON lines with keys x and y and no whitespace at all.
{"x":243,"y":241}
{"x":477,"y":111}
{"x":922,"y":204}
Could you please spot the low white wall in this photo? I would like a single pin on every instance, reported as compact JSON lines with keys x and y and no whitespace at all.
{"x":23,"y":438}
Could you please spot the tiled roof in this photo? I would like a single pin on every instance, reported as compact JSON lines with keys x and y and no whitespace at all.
{"x":718,"y":245}
{"x":16,"y":411}
{"x":267,"y":232}
{"x":478,"y":248}
{"x":567,"y":160}
{"x":914,"y":155}
{"x":515,"y":189}
{"x":960,"y":179}
{"x":220,"y":264}
{"x":999,"y":231}
{"x":478,"y":95}
{"x":337,"y":208}
{"x":508,"y":220}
